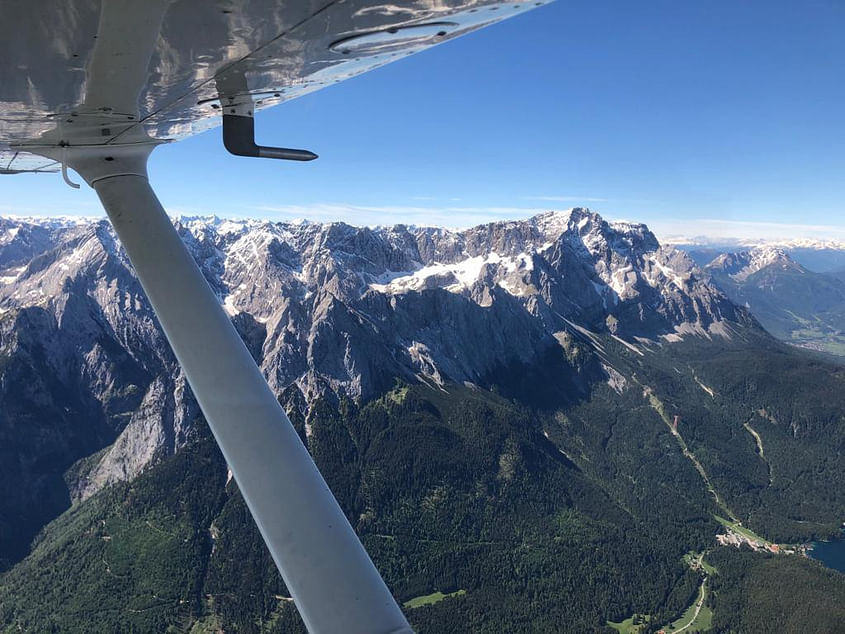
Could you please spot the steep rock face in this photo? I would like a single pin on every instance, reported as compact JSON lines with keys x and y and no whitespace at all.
{"x":324,"y":309}
{"x":23,"y":239}
{"x":161,"y":424}
{"x":80,"y":349}
{"x":449,"y":305}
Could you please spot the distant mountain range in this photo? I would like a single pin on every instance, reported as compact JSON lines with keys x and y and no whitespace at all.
{"x":791,"y":301}
{"x":530,"y":424}
{"x":820,"y":256}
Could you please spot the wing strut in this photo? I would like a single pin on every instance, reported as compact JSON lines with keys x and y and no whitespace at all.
{"x":334,"y":583}
{"x":332,"y":580}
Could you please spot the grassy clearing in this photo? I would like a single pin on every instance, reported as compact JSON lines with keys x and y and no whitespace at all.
{"x":696,"y":560}
{"x":397,"y":395}
{"x":632,"y":625}
{"x":206,"y":625}
{"x":430,"y":599}
{"x":710,"y":570}
{"x":691,"y":621}
{"x":745,"y":532}
{"x":818,"y":339}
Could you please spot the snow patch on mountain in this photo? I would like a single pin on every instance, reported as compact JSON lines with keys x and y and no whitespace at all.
{"x":459,"y":276}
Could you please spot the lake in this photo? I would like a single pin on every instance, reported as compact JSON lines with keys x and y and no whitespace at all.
{"x":831,"y":554}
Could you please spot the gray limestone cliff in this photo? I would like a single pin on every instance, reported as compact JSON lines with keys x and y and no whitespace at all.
{"x":87,"y":378}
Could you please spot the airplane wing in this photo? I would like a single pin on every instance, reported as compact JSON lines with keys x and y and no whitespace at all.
{"x":207,"y":58}
{"x":97,"y":85}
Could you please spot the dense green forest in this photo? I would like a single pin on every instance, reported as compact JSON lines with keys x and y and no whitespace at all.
{"x":757,"y":593}
{"x":462,"y":491}
{"x":551,"y":516}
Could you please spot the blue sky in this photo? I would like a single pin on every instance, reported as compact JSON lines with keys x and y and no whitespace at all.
{"x":718,"y":118}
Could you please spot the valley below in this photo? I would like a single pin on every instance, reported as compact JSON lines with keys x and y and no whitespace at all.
{"x":550,"y":425}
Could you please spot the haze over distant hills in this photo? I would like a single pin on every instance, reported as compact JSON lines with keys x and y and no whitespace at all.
{"x":540,"y":419}
{"x":820,"y":256}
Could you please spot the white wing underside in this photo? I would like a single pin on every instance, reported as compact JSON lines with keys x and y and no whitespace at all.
{"x":269,"y":51}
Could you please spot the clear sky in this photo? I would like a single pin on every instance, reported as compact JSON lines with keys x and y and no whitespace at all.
{"x":712,"y":117}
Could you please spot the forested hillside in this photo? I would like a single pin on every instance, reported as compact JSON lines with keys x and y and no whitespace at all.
{"x":536,"y":519}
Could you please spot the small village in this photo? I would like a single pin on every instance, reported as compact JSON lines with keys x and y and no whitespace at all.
{"x":738,"y":539}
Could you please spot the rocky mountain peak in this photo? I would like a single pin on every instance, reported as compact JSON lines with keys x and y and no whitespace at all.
{"x":307,"y":284}
{"x":327,"y":310}
{"x":741,"y":265}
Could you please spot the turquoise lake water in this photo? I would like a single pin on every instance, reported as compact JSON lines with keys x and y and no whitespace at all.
{"x":831,"y":554}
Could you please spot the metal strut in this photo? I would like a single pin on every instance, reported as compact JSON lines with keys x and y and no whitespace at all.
{"x":332,"y":580}
{"x":239,"y":139}
{"x":335,"y":585}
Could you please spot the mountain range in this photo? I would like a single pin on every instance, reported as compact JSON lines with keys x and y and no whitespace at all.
{"x":792,"y":302}
{"x":509,"y":414}
{"x":820,"y":256}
